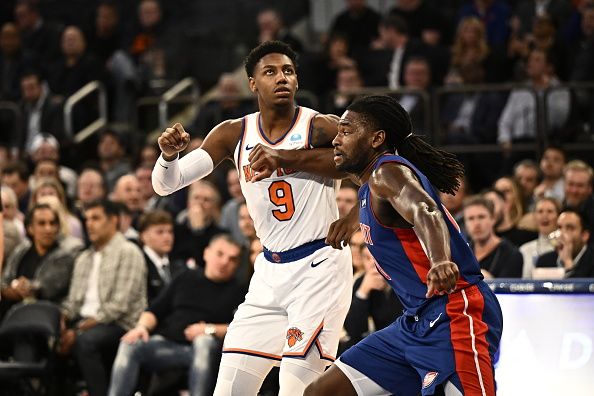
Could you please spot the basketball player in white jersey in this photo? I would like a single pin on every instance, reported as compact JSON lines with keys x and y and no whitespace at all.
{"x":300,"y":293}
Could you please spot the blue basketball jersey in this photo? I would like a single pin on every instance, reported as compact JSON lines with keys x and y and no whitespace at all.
{"x":399,"y":253}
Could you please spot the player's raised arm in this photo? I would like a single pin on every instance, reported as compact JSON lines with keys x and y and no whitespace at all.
{"x":398,"y":185}
{"x":171,"y":173}
{"x":318,"y":161}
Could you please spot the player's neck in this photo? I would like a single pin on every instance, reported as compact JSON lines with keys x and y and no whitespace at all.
{"x":366,"y":173}
{"x":277,"y":120}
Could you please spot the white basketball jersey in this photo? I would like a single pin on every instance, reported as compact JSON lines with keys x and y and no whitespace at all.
{"x":289,"y":208}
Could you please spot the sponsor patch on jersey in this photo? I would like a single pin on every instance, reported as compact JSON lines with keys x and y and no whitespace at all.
{"x":294,"y":335}
{"x":294,"y":137}
{"x":429,"y":378}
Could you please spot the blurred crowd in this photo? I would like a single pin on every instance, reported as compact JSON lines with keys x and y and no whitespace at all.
{"x":138,"y":276}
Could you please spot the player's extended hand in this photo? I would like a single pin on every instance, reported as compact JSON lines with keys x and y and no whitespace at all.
{"x":442,"y":278}
{"x":339,"y":233}
{"x":264,"y":161}
{"x":173,"y":140}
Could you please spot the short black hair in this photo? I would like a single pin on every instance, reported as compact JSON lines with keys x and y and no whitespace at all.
{"x":110,"y":208}
{"x":585,"y":223}
{"x":395,"y":22}
{"x":18,"y":167}
{"x":268,"y":47}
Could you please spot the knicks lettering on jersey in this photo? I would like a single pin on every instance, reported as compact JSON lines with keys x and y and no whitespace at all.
{"x":248,"y":172}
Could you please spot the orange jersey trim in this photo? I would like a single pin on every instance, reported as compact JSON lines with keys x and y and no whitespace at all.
{"x":313,"y":339}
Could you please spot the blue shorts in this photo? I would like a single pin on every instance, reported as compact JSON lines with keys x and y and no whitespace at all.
{"x":454,"y":339}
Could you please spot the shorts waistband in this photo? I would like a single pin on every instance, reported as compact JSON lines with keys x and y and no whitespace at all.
{"x":294,"y":254}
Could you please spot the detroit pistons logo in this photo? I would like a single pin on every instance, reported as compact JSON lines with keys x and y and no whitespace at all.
{"x":294,"y":335}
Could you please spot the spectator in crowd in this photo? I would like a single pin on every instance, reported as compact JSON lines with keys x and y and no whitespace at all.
{"x":374,"y":305}
{"x":348,"y":85}
{"x":545,"y":214}
{"x":45,"y":169}
{"x":91,"y":186}
{"x":471,"y":117}
{"x":358,"y":23}
{"x":417,"y":76}
{"x":40,"y":37}
{"x":583,"y":61}
{"x":127,"y":192}
{"x":271,"y":27}
{"x":384,"y":66}
{"x":527,"y":174}
{"x":526,"y":12}
{"x":248,"y":232}
{"x":470,"y":47}
{"x":495,"y":13}
{"x":16,"y":176}
{"x":107,"y":295}
{"x":12,"y":237}
{"x":150,"y":199}
{"x":497,"y":257}
{"x":421,"y":17}
{"x":578,"y":178}
{"x":13,"y":62}
{"x":70,"y":225}
{"x":551,"y":168}
{"x":148,"y":154}
{"x":455,"y":203}
{"x":230,"y":212}
{"x":42,"y":112}
{"x":197,"y":224}
{"x":513,"y":211}
{"x":518,"y":120}
{"x":357,"y":244}
{"x":126,"y":223}
{"x":573,"y":252}
{"x":184,"y":327}
{"x":156,"y":234}
{"x":106,"y":42}
{"x":76,"y":67}
{"x":10,"y":209}
{"x":346,"y":197}
{"x":46,"y":147}
{"x":544,"y":37}
{"x":112,"y":157}
{"x":226,"y":104}
{"x":40,"y":267}
{"x":336,"y":56}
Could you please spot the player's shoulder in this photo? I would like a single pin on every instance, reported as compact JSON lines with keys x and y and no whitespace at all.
{"x":324,"y":129}
{"x":389,"y":177}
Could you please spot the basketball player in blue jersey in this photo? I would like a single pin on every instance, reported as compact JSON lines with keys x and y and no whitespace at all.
{"x":446,"y":340}
{"x":300,"y":292}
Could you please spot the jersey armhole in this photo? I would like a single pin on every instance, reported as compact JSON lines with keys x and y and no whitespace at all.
{"x":240,"y":143}
{"x":308,"y":144}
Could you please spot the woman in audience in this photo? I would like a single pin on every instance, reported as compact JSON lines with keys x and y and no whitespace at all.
{"x":545,"y":213}
{"x":71,"y":225}
{"x":512,"y":212}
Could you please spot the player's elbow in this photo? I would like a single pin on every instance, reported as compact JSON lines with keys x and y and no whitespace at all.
{"x":160,"y":188}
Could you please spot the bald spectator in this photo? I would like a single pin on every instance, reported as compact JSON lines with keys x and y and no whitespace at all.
{"x":112,"y":157}
{"x":90,"y":187}
{"x":76,"y":67}
{"x":578,"y":178}
{"x":39,"y":36}
{"x":127,"y":191}
{"x":196,"y":225}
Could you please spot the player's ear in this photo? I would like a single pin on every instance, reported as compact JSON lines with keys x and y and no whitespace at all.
{"x":252,"y":84}
{"x":379,"y":137}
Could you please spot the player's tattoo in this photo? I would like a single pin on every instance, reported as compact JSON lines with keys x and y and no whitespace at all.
{"x":324,"y":131}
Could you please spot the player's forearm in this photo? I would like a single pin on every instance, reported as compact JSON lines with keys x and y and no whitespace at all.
{"x":432,"y":230}
{"x":170,"y":176}
{"x":318,"y":161}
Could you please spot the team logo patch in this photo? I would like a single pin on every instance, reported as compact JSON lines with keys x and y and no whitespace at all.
{"x":294,"y":335}
{"x":276,"y":257}
{"x":295,"y":137}
{"x":429,"y":378}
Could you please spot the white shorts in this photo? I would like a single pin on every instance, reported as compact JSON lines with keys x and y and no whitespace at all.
{"x":293,"y":307}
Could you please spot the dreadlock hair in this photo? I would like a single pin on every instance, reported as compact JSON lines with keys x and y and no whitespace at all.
{"x":383,"y":112}
{"x":268,"y":47}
